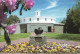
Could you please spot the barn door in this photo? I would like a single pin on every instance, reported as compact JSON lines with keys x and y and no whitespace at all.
{"x":49,"y":28}
{"x":23,"y":28}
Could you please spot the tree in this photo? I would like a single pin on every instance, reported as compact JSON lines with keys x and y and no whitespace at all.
{"x":69,"y":21}
{"x":73,"y":19}
{"x":0,"y":30}
{"x":12,"y":20}
{"x":76,"y":20}
{"x":63,"y":21}
{"x":8,"y":6}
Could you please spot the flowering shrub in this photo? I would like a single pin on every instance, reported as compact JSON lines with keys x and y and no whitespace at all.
{"x":8,"y":6}
{"x":50,"y":47}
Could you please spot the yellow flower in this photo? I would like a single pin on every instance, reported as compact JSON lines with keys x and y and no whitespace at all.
{"x":37,"y":47}
{"x":27,"y":42}
{"x":52,"y":50}
{"x":23,"y":45}
{"x":32,"y":49}
{"x":40,"y":50}
{"x":49,"y":51}
{"x":68,"y":50}
{"x":73,"y":49}
{"x":52,"y":45}
{"x":7,"y":50}
{"x":3,"y":50}
{"x":58,"y":47}
{"x":28,"y":46}
{"x":42,"y":46}
{"x":55,"y":50}
{"x":26,"y":51}
{"x":15,"y":50}
{"x":44,"y":49}
{"x":64,"y":50}
{"x":68,"y":47}
{"x":10,"y":47}
{"x":31,"y":45}
{"x":36,"y":50}
{"x":19,"y":50}
{"x":47,"y":41}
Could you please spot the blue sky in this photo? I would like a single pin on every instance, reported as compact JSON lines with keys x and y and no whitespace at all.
{"x":49,"y":8}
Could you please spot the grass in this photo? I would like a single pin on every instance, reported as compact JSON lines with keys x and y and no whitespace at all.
{"x":65,"y":36}
{"x":15,"y":36}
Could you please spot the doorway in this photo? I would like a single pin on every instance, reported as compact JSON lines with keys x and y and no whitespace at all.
{"x":23,"y":28}
{"x":49,"y":28}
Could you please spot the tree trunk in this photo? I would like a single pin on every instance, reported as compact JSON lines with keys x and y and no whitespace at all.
{"x":6,"y":37}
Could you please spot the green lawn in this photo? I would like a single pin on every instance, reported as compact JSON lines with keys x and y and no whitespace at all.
{"x":73,"y":37}
{"x":16,"y":36}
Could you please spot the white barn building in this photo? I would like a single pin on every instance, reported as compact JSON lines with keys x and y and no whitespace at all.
{"x":32,"y":23}
{"x":29,"y":24}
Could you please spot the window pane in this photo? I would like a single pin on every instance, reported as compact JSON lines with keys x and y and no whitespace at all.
{"x":37,"y":19}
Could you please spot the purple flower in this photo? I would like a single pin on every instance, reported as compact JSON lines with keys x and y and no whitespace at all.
{"x":0,"y":49}
{"x":29,"y":3}
{"x":11,"y":29}
{"x":11,"y":4}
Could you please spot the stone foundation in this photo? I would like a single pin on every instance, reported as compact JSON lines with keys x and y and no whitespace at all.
{"x":37,"y":40}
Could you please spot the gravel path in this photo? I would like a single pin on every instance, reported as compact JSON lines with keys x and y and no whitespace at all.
{"x":48,"y":39}
{"x":15,"y":41}
{"x":64,"y":41}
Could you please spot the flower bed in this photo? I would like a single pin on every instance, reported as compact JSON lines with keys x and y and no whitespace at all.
{"x":50,"y":47}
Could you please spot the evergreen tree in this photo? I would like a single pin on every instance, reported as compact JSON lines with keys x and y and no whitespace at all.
{"x":73,"y":19}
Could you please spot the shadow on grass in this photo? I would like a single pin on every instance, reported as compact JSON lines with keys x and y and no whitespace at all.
{"x":73,"y":37}
{"x":65,"y":36}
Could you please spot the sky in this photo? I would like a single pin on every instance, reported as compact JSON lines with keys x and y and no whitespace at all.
{"x":50,"y":8}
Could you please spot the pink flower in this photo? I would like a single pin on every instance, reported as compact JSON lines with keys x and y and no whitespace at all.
{"x":11,"y":29}
{"x":29,"y":3}
{"x":0,"y":1}
{"x":11,"y":4}
{"x":1,"y":6}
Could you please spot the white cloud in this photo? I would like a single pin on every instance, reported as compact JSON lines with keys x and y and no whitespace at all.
{"x":53,"y":3}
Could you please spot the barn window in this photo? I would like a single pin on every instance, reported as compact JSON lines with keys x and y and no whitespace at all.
{"x":37,"y":13}
{"x":29,"y":19}
{"x":37,"y":19}
{"x":45,"y":19}
{"x":51,"y":19}
{"x":24,"y":20}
